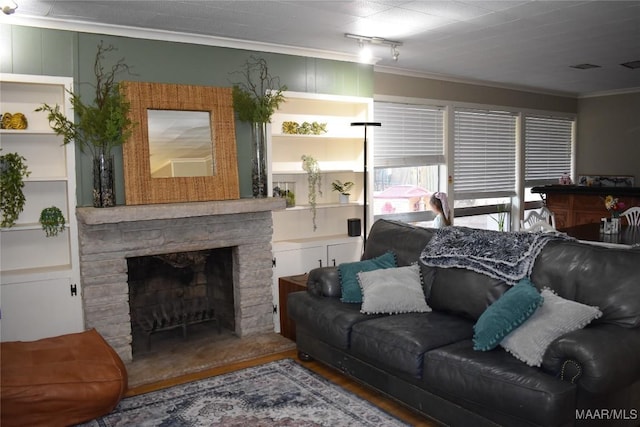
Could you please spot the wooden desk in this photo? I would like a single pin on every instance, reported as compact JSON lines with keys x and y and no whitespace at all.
{"x":286,"y":285}
{"x":590,"y":233}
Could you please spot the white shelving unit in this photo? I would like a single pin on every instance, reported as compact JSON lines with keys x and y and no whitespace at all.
{"x":40,"y":294}
{"x":340,"y":152}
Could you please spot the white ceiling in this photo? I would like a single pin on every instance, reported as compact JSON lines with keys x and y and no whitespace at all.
{"x":521,"y":44}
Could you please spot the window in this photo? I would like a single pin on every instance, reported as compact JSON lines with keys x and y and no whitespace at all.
{"x":487,"y":144}
{"x":484,"y":154}
{"x":547,"y":149}
{"x":408,"y":159}
{"x":410,"y":135}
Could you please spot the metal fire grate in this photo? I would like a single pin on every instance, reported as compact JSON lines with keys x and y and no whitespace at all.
{"x":176,"y":314}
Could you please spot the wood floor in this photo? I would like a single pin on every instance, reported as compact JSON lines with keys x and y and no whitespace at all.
{"x":376,"y":398}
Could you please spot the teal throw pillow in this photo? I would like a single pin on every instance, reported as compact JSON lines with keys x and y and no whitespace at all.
{"x":511,"y":310}
{"x":349,"y":275}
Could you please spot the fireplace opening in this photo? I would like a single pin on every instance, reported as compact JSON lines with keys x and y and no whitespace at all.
{"x":180,"y":295}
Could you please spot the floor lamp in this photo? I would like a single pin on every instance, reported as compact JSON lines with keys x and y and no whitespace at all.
{"x":364,"y":220}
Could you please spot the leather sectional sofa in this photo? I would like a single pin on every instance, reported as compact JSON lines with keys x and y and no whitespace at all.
{"x":426,"y":360}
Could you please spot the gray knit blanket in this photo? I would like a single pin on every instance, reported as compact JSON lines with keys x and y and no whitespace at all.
{"x":508,"y":256}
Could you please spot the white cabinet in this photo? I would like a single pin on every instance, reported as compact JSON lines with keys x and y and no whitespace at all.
{"x":40,"y":293}
{"x":347,"y":251}
{"x":295,"y":257}
{"x":40,"y":308}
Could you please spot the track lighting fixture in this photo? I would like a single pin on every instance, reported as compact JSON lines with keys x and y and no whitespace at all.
{"x":8,"y":6}
{"x":395,"y":53}
{"x":365,"y":41}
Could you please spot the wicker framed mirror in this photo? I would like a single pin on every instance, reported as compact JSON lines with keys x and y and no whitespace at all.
{"x":221,"y":184}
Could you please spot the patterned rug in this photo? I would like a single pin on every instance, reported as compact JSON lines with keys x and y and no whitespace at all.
{"x":280,"y":393}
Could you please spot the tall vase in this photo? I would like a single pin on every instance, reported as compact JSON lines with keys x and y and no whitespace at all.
{"x":104,"y":194}
{"x":259,"y":159}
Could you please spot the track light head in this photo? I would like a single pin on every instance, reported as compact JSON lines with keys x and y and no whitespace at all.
{"x":8,"y":6}
{"x":364,"y":41}
{"x":395,"y":53}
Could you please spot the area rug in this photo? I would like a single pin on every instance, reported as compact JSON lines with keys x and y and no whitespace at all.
{"x":280,"y":393}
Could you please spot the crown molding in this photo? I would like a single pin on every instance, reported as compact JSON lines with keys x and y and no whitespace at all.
{"x":475,"y":82}
{"x":611,"y":93}
{"x":173,"y":36}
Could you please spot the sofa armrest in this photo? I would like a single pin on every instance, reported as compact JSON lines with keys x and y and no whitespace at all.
{"x":606,"y":357}
{"x":324,"y":281}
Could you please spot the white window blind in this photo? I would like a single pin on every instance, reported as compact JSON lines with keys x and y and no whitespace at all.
{"x":485,"y":154}
{"x":410,"y":135}
{"x":547,"y":149}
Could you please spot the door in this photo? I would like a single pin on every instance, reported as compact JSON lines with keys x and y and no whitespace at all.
{"x":292,"y":262}
{"x":344,"y":252}
{"x":39,"y":309}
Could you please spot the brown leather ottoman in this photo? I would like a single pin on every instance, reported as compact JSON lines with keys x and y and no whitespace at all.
{"x":59,"y":381}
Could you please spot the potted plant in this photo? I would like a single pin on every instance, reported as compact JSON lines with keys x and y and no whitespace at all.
{"x":52,"y":221}
{"x":314,"y":179}
{"x":502,"y":215}
{"x":283,"y":189}
{"x":343,"y":189}
{"x":100,"y":126}
{"x":13,"y":170}
{"x":255,"y":100}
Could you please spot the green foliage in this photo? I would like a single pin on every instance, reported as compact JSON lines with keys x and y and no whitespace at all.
{"x":314,"y":179}
{"x":105,"y":123}
{"x":12,"y":172}
{"x":52,"y":221}
{"x":502,"y":215}
{"x":342,"y":188}
{"x":258,"y":97}
{"x":288,"y":195}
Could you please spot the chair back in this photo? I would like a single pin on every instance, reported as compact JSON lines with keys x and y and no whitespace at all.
{"x":632,"y":215}
{"x":533,"y":217}
{"x":542,"y":226}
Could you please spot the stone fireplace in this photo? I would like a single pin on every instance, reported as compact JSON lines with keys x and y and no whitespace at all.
{"x":109,"y":236}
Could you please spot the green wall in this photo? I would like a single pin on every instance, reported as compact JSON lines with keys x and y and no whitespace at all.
{"x":28,"y":50}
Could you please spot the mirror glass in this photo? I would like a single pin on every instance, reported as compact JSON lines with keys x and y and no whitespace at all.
{"x":180,"y":143}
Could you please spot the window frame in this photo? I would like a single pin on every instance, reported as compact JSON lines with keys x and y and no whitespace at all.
{"x":518,"y":204}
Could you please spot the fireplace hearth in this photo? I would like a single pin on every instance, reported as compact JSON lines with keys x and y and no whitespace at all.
{"x":108,"y":237}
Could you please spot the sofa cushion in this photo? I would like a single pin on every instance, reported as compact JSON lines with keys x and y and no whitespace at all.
{"x":392,"y":290}
{"x":497,"y":385}
{"x":399,"y":342}
{"x":329,"y":319}
{"x":464,"y":292}
{"x":557,"y":316}
{"x":405,"y":240}
{"x":503,"y":316}
{"x":348,"y":272}
{"x":593,"y":275}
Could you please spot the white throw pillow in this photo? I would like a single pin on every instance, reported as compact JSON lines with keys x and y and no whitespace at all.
{"x":555,"y":317}
{"x":392,"y":290}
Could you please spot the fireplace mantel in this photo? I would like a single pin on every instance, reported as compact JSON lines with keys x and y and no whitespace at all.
{"x":95,"y":216}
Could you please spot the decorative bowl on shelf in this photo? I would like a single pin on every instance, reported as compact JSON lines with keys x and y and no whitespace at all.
{"x":306,"y":128}
{"x":14,"y":121}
